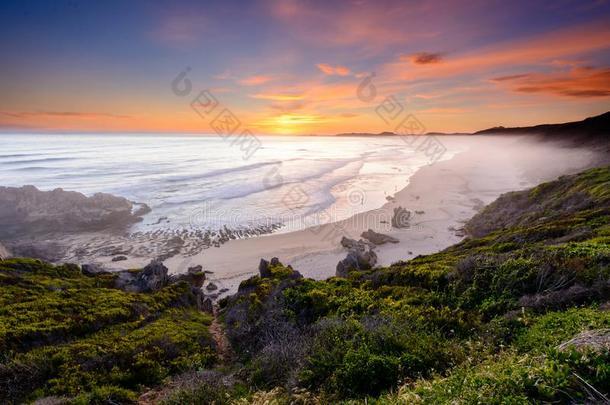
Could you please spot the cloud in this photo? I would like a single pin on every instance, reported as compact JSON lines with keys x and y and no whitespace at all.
{"x":255,"y":80}
{"x":60,"y":114}
{"x":540,"y":50}
{"x":425,"y":58}
{"x":333,"y":70}
{"x":277,"y":97}
{"x":510,"y":77}
{"x":577,"y":83}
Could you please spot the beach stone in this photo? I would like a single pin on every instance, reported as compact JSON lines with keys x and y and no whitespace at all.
{"x":350,"y":243}
{"x":378,"y":238}
{"x":263,"y":269}
{"x":196,"y":269}
{"x":401,"y":217}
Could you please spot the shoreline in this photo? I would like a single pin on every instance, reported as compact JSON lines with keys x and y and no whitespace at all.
{"x":445,"y":195}
{"x":441,"y":198}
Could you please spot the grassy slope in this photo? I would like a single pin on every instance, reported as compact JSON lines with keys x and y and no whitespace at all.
{"x":66,"y":334}
{"x":479,"y":321}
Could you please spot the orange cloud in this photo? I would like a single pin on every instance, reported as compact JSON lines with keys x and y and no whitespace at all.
{"x":277,"y":97}
{"x":336,"y":70}
{"x":543,"y":49}
{"x":255,"y":80}
{"x":425,"y":58}
{"x":578,"y":83}
{"x":69,"y":114}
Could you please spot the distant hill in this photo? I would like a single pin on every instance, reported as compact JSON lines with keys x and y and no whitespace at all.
{"x":592,"y":127}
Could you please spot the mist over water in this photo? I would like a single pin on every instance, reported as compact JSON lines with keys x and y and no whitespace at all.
{"x":204,"y":181}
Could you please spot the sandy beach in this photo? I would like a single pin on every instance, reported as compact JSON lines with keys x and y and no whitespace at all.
{"x":441,"y":197}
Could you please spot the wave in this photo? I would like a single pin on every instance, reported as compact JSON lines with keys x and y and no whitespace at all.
{"x":42,"y":160}
{"x":219,"y":172}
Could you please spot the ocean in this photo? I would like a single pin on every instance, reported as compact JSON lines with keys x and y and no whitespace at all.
{"x":208,"y":182}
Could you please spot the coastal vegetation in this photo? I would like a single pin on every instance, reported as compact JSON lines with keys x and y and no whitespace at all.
{"x":515,"y":313}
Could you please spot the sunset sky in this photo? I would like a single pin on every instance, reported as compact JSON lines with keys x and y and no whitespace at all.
{"x":294,"y":67}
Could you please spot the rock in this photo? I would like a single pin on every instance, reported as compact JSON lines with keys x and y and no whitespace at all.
{"x":275,"y":261}
{"x":211,"y":287}
{"x":356,"y":260}
{"x":378,"y":238}
{"x":401,"y":217}
{"x":195,"y":276}
{"x":27,"y":211}
{"x":196,"y":269}
{"x":360,"y":256}
{"x":223,"y":290}
{"x":207,"y":305}
{"x":151,"y":278}
{"x":596,"y":340}
{"x":119,"y":258}
{"x":142,"y":209}
{"x":263,"y":269}
{"x":349,"y":243}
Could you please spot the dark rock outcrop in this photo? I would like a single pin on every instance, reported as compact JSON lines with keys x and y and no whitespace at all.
{"x":263,"y":268}
{"x":401,"y":216}
{"x":195,"y":276}
{"x":377,"y":238}
{"x":27,"y":210}
{"x":360,"y":256}
{"x":151,"y":278}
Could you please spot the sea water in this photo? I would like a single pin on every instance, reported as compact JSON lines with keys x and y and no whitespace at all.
{"x":207,"y":182}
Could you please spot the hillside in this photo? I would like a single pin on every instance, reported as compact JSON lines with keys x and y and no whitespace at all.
{"x":594,"y":132}
{"x":516,"y":313}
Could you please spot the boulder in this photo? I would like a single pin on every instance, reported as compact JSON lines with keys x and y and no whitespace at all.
{"x":360,"y":256}
{"x":401,"y":216}
{"x":350,"y":243}
{"x":207,"y":305}
{"x":195,"y":276}
{"x":211,"y":287}
{"x":263,"y":269}
{"x":151,"y":278}
{"x":377,"y":238}
{"x":356,"y":260}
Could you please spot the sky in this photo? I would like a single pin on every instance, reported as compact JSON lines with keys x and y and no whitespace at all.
{"x":301,"y":67}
